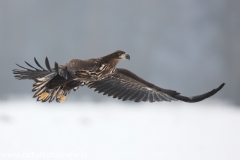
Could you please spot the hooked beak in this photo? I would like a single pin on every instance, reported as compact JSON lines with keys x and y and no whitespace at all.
{"x":127,"y":56}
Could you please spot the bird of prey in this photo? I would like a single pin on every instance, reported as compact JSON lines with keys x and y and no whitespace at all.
{"x":100,"y":74}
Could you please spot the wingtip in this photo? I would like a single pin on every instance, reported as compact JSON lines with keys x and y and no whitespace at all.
{"x":199,"y":97}
{"x":48,"y":64}
{"x":46,"y":60}
{"x":35,"y":60}
{"x":56,"y":67}
{"x":221,"y":86}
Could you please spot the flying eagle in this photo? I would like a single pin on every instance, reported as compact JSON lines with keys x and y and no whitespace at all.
{"x":100,"y":74}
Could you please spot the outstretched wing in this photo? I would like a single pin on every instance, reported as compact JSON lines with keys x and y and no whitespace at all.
{"x":52,"y":80}
{"x":125,"y":85}
{"x":33,"y":72}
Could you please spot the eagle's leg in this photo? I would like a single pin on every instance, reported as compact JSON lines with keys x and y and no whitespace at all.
{"x":67,"y":88}
{"x":61,"y":97}
{"x":44,"y":95}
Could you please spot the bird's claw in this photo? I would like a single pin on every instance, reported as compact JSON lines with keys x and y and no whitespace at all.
{"x":61,"y":98}
{"x":43,"y":96}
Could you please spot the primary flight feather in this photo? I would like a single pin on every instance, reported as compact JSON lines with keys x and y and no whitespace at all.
{"x":100,"y":74}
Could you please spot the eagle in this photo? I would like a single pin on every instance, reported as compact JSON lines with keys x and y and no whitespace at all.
{"x":101,"y":75}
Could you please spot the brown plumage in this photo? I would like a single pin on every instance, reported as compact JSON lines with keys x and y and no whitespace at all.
{"x":100,"y":74}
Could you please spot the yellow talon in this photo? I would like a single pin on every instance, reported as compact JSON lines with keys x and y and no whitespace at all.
{"x":61,"y":98}
{"x":43,"y":96}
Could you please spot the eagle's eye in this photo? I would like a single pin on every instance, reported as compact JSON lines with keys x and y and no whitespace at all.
{"x":120,"y":53}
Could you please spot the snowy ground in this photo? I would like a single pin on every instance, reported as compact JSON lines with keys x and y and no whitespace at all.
{"x":119,"y":131}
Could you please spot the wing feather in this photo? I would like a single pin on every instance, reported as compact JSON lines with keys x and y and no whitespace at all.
{"x":139,"y":97}
{"x":129,"y":94}
{"x":119,"y":92}
{"x":114,"y":91}
{"x":32,"y":66}
{"x":57,"y":68}
{"x":24,"y":67}
{"x":48,"y":65}
{"x":156,"y":97}
{"x":145,"y":97}
{"x":125,"y":85}
{"x":123,"y":93}
{"x":36,"y":73}
{"x":135,"y":95}
{"x":38,"y":64}
{"x":103,"y":89}
{"x":110,"y":89}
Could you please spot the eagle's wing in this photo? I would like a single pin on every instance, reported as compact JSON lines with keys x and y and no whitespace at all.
{"x":59,"y":79}
{"x":33,"y":72}
{"x":125,"y":85}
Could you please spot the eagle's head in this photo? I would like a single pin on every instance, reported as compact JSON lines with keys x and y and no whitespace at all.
{"x":113,"y":58}
{"x":120,"y":55}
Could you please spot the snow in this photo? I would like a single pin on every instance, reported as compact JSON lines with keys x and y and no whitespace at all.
{"x":114,"y":131}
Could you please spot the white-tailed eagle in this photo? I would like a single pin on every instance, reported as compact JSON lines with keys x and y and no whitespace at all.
{"x":100,"y":74}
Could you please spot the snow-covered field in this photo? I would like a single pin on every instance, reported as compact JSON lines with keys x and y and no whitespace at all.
{"x":119,"y":131}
